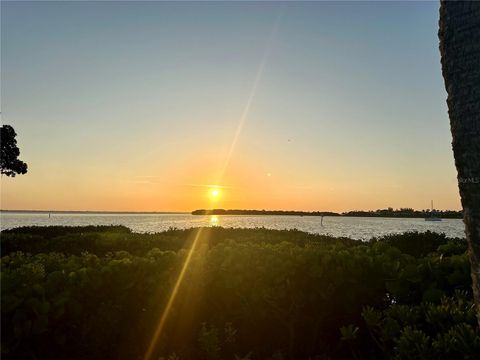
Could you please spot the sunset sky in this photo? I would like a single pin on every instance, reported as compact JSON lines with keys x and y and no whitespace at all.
{"x":132,"y":106}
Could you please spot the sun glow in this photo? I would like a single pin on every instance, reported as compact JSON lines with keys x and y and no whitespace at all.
{"x":214,"y":193}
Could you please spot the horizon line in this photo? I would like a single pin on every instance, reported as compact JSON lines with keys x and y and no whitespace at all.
{"x":96,"y":211}
{"x":198,"y":209}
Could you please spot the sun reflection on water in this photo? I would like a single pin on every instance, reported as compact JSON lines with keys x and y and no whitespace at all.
{"x":214,"y":221}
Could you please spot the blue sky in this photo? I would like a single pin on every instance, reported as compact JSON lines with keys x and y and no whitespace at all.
{"x":121,"y":105}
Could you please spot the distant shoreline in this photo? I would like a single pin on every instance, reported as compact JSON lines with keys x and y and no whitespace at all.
{"x":263,"y":212}
{"x":401,"y":213}
{"x":92,"y":212}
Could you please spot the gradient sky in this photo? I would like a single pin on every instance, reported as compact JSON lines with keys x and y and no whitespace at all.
{"x":303,"y":106}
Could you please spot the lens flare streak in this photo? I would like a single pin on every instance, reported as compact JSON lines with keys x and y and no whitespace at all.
{"x":253,"y":91}
{"x":171,"y":299}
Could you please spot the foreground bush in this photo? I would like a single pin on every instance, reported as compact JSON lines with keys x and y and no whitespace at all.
{"x":247,"y":293}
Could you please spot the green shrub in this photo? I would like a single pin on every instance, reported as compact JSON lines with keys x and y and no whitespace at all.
{"x":93,"y":293}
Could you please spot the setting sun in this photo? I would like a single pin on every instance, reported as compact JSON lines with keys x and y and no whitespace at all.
{"x":215,"y":193}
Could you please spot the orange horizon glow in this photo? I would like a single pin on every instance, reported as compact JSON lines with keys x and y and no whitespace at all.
{"x":244,"y":187}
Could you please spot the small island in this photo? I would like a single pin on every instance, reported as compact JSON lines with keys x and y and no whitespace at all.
{"x":262,"y":212}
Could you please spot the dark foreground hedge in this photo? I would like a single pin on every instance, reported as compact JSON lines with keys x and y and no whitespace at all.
{"x":99,"y":292}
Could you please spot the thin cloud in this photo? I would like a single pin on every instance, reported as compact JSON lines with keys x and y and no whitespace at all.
{"x":147,"y":176}
{"x":208,"y":186}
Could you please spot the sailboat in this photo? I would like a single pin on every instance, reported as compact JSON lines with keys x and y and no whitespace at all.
{"x":433,"y":216}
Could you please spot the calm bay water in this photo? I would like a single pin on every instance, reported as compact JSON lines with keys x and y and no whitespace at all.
{"x":353,"y":227}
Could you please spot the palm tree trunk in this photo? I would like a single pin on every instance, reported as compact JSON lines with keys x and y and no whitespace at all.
{"x":460,"y":52}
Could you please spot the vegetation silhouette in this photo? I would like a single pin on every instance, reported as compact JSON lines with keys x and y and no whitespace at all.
{"x":459,"y":35}
{"x":70,"y":293}
{"x":262,"y":212}
{"x":96,"y":292}
{"x":389,"y":212}
{"x":10,"y":165}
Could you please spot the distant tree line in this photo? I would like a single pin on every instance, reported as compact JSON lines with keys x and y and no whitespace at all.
{"x":262,"y":212}
{"x":406,"y":212}
{"x":389,"y":212}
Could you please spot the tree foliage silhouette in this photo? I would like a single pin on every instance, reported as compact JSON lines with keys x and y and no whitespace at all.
{"x":10,"y":164}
